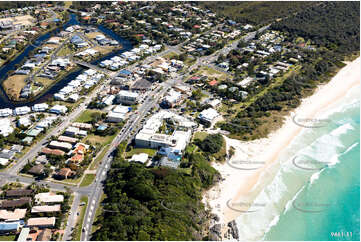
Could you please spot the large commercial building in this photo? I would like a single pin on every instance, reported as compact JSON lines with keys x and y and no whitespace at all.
{"x":126,"y":97}
{"x":149,"y":136}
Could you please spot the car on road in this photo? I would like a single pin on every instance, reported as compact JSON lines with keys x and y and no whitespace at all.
{"x":82,"y":203}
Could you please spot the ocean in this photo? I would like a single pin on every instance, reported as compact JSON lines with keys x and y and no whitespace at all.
{"x":313,"y":192}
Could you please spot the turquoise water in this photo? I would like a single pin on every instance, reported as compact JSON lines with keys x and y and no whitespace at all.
{"x":318,"y":199}
{"x":330,"y":205}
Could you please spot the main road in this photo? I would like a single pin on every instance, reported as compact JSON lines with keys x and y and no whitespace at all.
{"x":97,"y":187}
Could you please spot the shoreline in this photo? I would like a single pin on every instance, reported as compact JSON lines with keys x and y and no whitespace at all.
{"x":242,"y":186}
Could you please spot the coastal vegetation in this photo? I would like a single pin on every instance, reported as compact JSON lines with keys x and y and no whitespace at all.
{"x":255,"y":12}
{"x":156,"y":203}
{"x":335,"y":39}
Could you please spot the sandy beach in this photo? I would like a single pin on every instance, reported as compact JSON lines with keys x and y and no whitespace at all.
{"x":240,"y":185}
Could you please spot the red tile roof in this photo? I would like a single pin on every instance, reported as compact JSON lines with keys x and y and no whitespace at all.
{"x":212,"y":83}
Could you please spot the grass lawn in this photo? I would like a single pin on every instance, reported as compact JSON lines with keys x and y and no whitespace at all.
{"x":80,"y":221}
{"x":87,"y":180}
{"x":45,"y":81}
{"x":92,"y":35}
{"x":212,"y":73}
{"x":200,"y":135}
{"x":64,"y":51}
{"x":103,"y":50}
{"x":86,"y":116}
{"x":103,"y":140}
{"x":170,"y":55}
{"x":13,"y":85}
{"x":190,"y":60}
{"x":72,"y":181}
{"x":67,"y":4}
{"x":150,"y":152}
{"x":7,"y":238}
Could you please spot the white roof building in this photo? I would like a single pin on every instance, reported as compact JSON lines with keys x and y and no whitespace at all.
{"x":40,"y":107}
{"x":245,"y":82}
{"x":5,"y":127}
{"x":208,"y":115}
{"x":121,"y":109}
{"x":58,"y":96}
{"x":24,"y":121}
{"x":142,"y":158}
{"x":48,"y":197}
{"x":4,"y":161}
{"x":58,"y":109}
{"x":5,"y":112}
{"x":127,"y":97}
{"x":22,"y":110}
{"x":115,"y":117}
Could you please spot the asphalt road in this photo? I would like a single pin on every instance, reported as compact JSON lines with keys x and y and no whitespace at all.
{"x":127,"y":133}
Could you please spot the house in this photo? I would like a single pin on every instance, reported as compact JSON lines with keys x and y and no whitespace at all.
{"x":213,"y":83}
{"x":22,"y":110}
{"x":42,"y":222}
{"x":16,"y":203}
{"x":48,"y":197}
{"x":73,"y":98}
{"x":74,"y":131}
{"x":5,"y":127}
{"x":65,"y":173}
{"x":34,"y":132}
{"x":142,"y":158}
{"x":48,"y":151}
{"x":17,"y":148}
{"x":67,"y":139}
{"x":27,"y":140}
{"x":24,"y":121}
{"x":171,"y":99}
{"x":41,"y":160}
{"x":17,"y":214}
{"x":82,"y":125}
{"x":141,"y":85}
{"x":37,"y":170}
{"x":60,"y":145}
{"x":245,"y":82}
{"x":19,"y":193}
{"x":214,"y":103}
{"x":5,"y":112}
{"x":7,"y":154}
{"x":208,"y":115}
{"x":58,"y":109}
{"x":46,"y":208}
{"x":108,"y":100}
{"x":4,"y":162}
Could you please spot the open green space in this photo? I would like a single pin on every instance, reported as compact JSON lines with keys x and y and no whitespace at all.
{"x":150,"y":152}
{"x":87,"y":180}
{"x":7,"y":237}
{"x":86,"y":116}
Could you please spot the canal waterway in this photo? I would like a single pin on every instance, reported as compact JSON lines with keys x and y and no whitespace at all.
{"x":5,"y":102}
